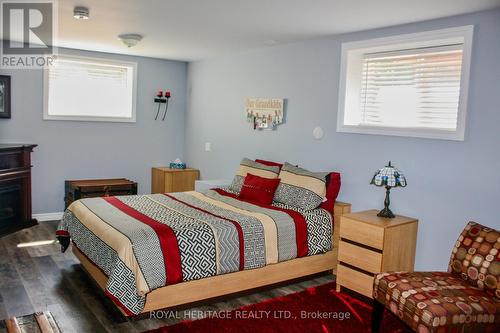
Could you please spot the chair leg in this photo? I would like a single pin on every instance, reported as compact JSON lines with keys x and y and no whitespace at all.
{"x":377,"y":315}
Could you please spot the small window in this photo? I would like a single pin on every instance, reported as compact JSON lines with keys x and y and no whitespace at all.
{"x":89,"y":89}
{"x":411,"y":85}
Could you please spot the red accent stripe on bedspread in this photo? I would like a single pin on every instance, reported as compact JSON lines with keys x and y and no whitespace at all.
{"x":298,"y":219}
{"x":168,"y":241}
{"x":128,"y":313}
{"x":236,"y":224}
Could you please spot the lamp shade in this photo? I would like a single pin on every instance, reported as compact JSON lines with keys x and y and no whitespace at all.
{"x":389,"y":176}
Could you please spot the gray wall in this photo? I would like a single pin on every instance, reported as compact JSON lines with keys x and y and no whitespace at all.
{"x":82,"y":150}
{"x":449,"y":182}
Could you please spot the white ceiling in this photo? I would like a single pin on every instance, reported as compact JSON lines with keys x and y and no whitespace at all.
{"x":196,"y":29}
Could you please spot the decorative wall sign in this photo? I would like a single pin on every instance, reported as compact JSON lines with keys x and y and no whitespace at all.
{"x":265,"y":113}
{"x":4,"y":96}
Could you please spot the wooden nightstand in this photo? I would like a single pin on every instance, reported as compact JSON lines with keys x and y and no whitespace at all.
{"x":166,"y":180}
{"x":370,"y":244}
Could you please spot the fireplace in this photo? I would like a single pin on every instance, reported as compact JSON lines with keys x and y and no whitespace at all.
{"x":15,"y":188}
{"x":10,"y":205}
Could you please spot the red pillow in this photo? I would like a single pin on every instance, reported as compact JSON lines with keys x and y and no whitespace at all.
{"x":259,"y":189}
{"x":332,"y":191}
{"x":269,"y":163}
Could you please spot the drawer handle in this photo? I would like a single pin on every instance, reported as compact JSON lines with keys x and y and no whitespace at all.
{"x":354,"y":268}
{"x":361,"y":245}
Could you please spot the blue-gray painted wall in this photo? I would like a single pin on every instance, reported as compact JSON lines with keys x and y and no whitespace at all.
{"x":449,"y":182}
{"x":83,"y":150}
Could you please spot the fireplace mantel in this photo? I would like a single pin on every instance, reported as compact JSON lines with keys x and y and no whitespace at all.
{"x":15,"y":187}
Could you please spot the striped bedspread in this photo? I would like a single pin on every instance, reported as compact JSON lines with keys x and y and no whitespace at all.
{"x":145,"y":242}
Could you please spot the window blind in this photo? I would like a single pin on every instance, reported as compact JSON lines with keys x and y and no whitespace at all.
{"x":89,"y":88}
{"x":418,"y":88}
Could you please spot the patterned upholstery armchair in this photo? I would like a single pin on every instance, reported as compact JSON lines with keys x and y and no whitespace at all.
{"x":464,"y":299}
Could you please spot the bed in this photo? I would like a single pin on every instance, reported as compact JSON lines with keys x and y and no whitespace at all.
{"x":150,"y":252}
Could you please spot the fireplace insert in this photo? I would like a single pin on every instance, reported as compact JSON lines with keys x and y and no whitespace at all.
{"x":10,"y":206}
{"x":15,"y":188}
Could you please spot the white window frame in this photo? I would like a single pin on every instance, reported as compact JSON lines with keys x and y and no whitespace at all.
{"x":131,"y":119}
{"x":350,"y":69}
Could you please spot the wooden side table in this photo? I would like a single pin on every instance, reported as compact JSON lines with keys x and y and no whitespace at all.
{"x":166,"y":180}
{"x":370,"y":244}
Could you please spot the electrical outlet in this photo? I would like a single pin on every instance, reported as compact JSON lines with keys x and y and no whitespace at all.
{"x":208,"y":146}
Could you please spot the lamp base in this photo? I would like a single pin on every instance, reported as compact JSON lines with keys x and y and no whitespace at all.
{"x":387,"y":213}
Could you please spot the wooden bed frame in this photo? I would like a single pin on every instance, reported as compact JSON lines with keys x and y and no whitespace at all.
{"x":225,"y":284}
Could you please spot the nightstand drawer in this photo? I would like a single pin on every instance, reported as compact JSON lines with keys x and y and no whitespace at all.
{"x":360,"y":257}
{"x":363,"y":233}
{"x":354,"y":280}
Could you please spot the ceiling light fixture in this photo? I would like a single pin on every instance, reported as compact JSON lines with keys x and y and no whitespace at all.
{"x":130,"y":39}
{"x":81,"y":13}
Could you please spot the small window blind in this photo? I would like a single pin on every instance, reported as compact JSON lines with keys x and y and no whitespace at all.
{"x":417,"y":88}
{"x":80,"y":87}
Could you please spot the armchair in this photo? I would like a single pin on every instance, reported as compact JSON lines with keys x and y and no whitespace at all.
{"x":464,"y":299}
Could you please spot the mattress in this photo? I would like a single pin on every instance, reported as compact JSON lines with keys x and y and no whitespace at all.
{"x":144,"y":242}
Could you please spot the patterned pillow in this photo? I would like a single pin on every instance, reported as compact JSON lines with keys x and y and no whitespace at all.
{"x":271,"y":163}
{"x":255,"y":168}
{"x":301,"y":188}
{"x":476,"y":257}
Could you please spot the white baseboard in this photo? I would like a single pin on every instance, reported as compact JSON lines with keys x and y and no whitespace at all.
{"x":48,"y":216}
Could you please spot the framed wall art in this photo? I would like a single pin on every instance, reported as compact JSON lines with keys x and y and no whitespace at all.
{"x":4,"y":96}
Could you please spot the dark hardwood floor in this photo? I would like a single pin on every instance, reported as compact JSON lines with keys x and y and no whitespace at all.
{"x":41,"y":278}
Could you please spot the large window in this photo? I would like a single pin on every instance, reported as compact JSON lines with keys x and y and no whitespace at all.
{"x":410,"y":85}
{"x":90,"y":89}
